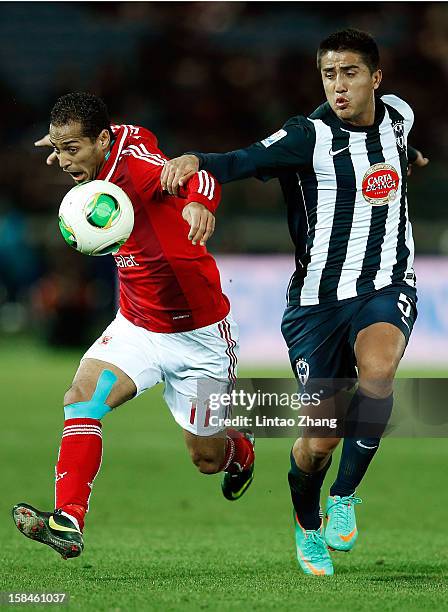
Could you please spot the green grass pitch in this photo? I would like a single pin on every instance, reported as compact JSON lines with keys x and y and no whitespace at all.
{"x":160,"y":536}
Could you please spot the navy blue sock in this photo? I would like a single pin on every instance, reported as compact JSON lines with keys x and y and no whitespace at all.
{"x":355,"y":459}
{"x":305,"y":493}
{"x":368,"y":416}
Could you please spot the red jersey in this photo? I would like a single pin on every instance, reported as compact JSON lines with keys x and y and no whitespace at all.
{"x":166,"y":283}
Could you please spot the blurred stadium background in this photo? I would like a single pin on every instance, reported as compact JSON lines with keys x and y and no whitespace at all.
{"x":207,"y":76}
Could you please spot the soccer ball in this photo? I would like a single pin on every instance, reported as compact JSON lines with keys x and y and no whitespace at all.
{"x":96,"y":218}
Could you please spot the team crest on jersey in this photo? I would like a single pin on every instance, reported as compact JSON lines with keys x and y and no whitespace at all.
{"x":398,"y":128}
{"x":380,"y":184}
{"x":303,"y":370}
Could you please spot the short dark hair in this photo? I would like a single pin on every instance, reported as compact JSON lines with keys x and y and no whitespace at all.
{"x":84,"y":108}
{"x":352,"y":40}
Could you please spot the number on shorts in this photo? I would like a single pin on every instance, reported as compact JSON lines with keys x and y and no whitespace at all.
{"x":193,"y":412}
{"x":404,"y":304}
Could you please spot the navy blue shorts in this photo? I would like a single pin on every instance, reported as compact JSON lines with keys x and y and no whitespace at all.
{"x":321,"y":338}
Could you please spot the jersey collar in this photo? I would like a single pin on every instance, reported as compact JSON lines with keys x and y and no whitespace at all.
{"x":120,"y":134}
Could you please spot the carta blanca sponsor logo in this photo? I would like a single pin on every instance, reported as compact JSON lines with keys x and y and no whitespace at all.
{"x":385,"y":181}
{"x":380,"y":184}
{"x":125,"y":261}
{"x":249,"y":401}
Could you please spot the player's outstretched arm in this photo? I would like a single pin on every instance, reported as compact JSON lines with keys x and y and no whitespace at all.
{"x":226,"y":167}
{"x":416,"y":158}
{"x":201,"y":221}
{"x":45,"y":142}
{"x":290,"y":147}
{"x":177,"y":171}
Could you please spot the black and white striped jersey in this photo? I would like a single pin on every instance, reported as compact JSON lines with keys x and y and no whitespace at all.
{"x":345,"y":189}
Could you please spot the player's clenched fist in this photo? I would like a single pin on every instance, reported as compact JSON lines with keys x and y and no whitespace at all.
{"x":201,"y":221}
{"x":177,"y":171}
{"x":45,"y":142}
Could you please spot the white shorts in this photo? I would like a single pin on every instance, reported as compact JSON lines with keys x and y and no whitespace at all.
{"x":192,"y":365}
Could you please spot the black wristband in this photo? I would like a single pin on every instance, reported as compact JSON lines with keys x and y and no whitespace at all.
{"x":412,"y":154}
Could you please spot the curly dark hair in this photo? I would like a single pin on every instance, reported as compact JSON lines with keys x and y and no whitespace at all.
{"x":351,"y":40}
{"x":84,"y":108}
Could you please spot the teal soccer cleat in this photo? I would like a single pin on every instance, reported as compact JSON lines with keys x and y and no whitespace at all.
{"x":341,"y":532}
{"x":312,"y":552}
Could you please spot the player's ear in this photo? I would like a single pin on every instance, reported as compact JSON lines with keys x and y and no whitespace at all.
{"x":104,"y":139}
{"x":376,"y":78}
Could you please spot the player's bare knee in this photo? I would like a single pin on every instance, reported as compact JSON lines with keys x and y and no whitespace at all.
{"x":380,"y":370}
{"x":376,"y":377}
{"x":77,"y":393}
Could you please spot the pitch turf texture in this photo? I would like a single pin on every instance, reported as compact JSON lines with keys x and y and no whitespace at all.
{"x":160,"y":536}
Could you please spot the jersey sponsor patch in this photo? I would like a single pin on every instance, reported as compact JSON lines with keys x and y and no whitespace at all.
{"x":125,"y":261}
{"x":267,"y":142}
{"x":380,"y":184}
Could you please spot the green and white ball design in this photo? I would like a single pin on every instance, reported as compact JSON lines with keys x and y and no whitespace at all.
{"x":96,"y":218}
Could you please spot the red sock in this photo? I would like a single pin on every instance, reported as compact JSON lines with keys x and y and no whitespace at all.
{"x":78,"y":463}
{"x":239,"y":453}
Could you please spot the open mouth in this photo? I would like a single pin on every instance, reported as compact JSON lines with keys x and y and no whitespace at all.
{"x":341,"y":103}
{"x":78,"y":177}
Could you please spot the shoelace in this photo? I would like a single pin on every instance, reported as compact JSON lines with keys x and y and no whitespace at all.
{"x":311,"y":551}
{"x":340,"y":510}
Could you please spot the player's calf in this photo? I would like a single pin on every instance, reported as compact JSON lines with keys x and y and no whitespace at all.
{"x":231,"y":452}
{"x":207,"y":463}
{"x":206,"y":452}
